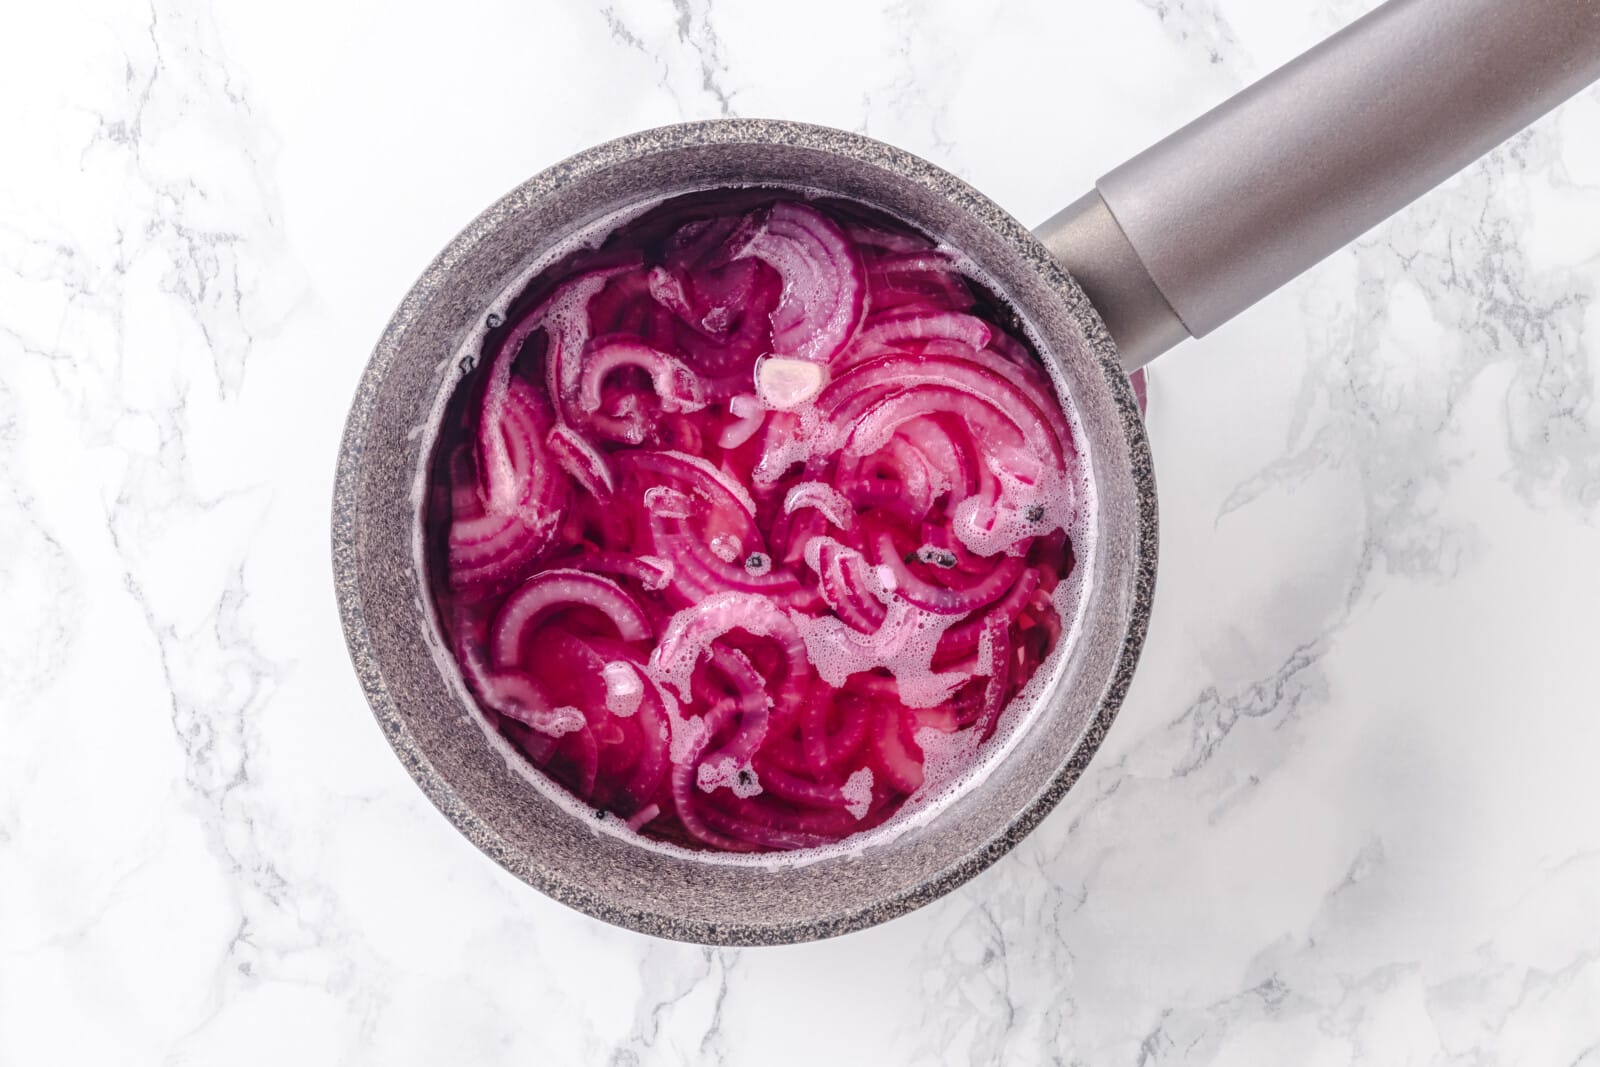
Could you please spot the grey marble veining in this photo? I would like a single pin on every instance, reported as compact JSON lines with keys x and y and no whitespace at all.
{"x":1347,"y":812}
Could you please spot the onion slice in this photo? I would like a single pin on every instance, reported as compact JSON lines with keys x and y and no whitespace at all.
{"x":518,"y":697}
{"x":558,"y":590}
{"x":823,"y":282}
{"x":675,"y":384}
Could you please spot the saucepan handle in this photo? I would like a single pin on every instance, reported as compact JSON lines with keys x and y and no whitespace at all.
{"x":1195,"y":229}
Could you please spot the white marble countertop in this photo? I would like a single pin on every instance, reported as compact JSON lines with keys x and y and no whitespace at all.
{"x":1349,"y":812}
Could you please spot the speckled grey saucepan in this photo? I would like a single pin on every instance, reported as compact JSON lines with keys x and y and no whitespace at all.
{"x":1170,"y":244}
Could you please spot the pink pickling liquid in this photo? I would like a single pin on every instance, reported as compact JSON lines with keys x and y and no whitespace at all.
{"x":749,"y":521}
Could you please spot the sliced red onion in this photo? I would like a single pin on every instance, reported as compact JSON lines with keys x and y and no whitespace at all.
{"x":823,"y":284}
{"x":791,"y":437}
{"x":749,"y":414}
{"x":511,"y":516}
{"x":509,"y":460}
{"x":1009,"y":406}
{"x":748,"y":689}
{"x":631,"y":749}
{"x":831,"y":503}
{"x":944,"y":600}
{"x":915,"y":278}
{"x":685,"y":535}
{"x":559,"y":590}
{"x":652,"y":573}
{"x":652,"y":766}
{"x":758,"y":826}
{"x":491,"y":550}
{"x":692,"y":630}
{"x":724,"y":322}
{"x":1016,"y":368}
{"x":896,"y":756}
{"x":675,"y":384}
{"x":994,"y":431}
{"x":685,"y":773}
{"x":796,"y":789}
{"x":636,"y":821}
{"x":625,"y":305}
{"x":961,"y":640}
{"x":950,"y":454}
{"x":924,"y":326}
{"x":868,"y":383}
{"x":588,"y":762}
{"x":994,"y":652}
{"x":699,"y":571}
{"x":668,"y":290}
{"x":881,"y":242}
{"x":697,"y":475}
{"x":896,"y":477}
{"x":814,"y":737}
{"x":847,"y":584}
{"x":518,"y":697}
{"x":565,"y":320}
{"x":587,"y":466}
{"x":843,"y":743}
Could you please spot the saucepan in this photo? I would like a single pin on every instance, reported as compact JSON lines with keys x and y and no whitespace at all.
{"x":1167,"y":246}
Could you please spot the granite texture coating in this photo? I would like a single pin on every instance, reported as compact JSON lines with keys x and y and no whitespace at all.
{"x":1345,"y":815}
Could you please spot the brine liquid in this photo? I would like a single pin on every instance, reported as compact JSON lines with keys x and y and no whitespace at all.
{"x":752,"y":522}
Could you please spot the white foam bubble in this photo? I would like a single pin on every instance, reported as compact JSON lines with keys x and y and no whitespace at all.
{"x":727,"y":547}
{"x":857,"y":790}
{"x":945,"y":757}
{"x":740,"y":779}
{"x":686,"y":735}
{"x":904,"y":645}
{"x":563,"y":720}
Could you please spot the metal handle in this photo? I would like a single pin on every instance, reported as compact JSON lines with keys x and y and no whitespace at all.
{"x":1195,"y":229}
